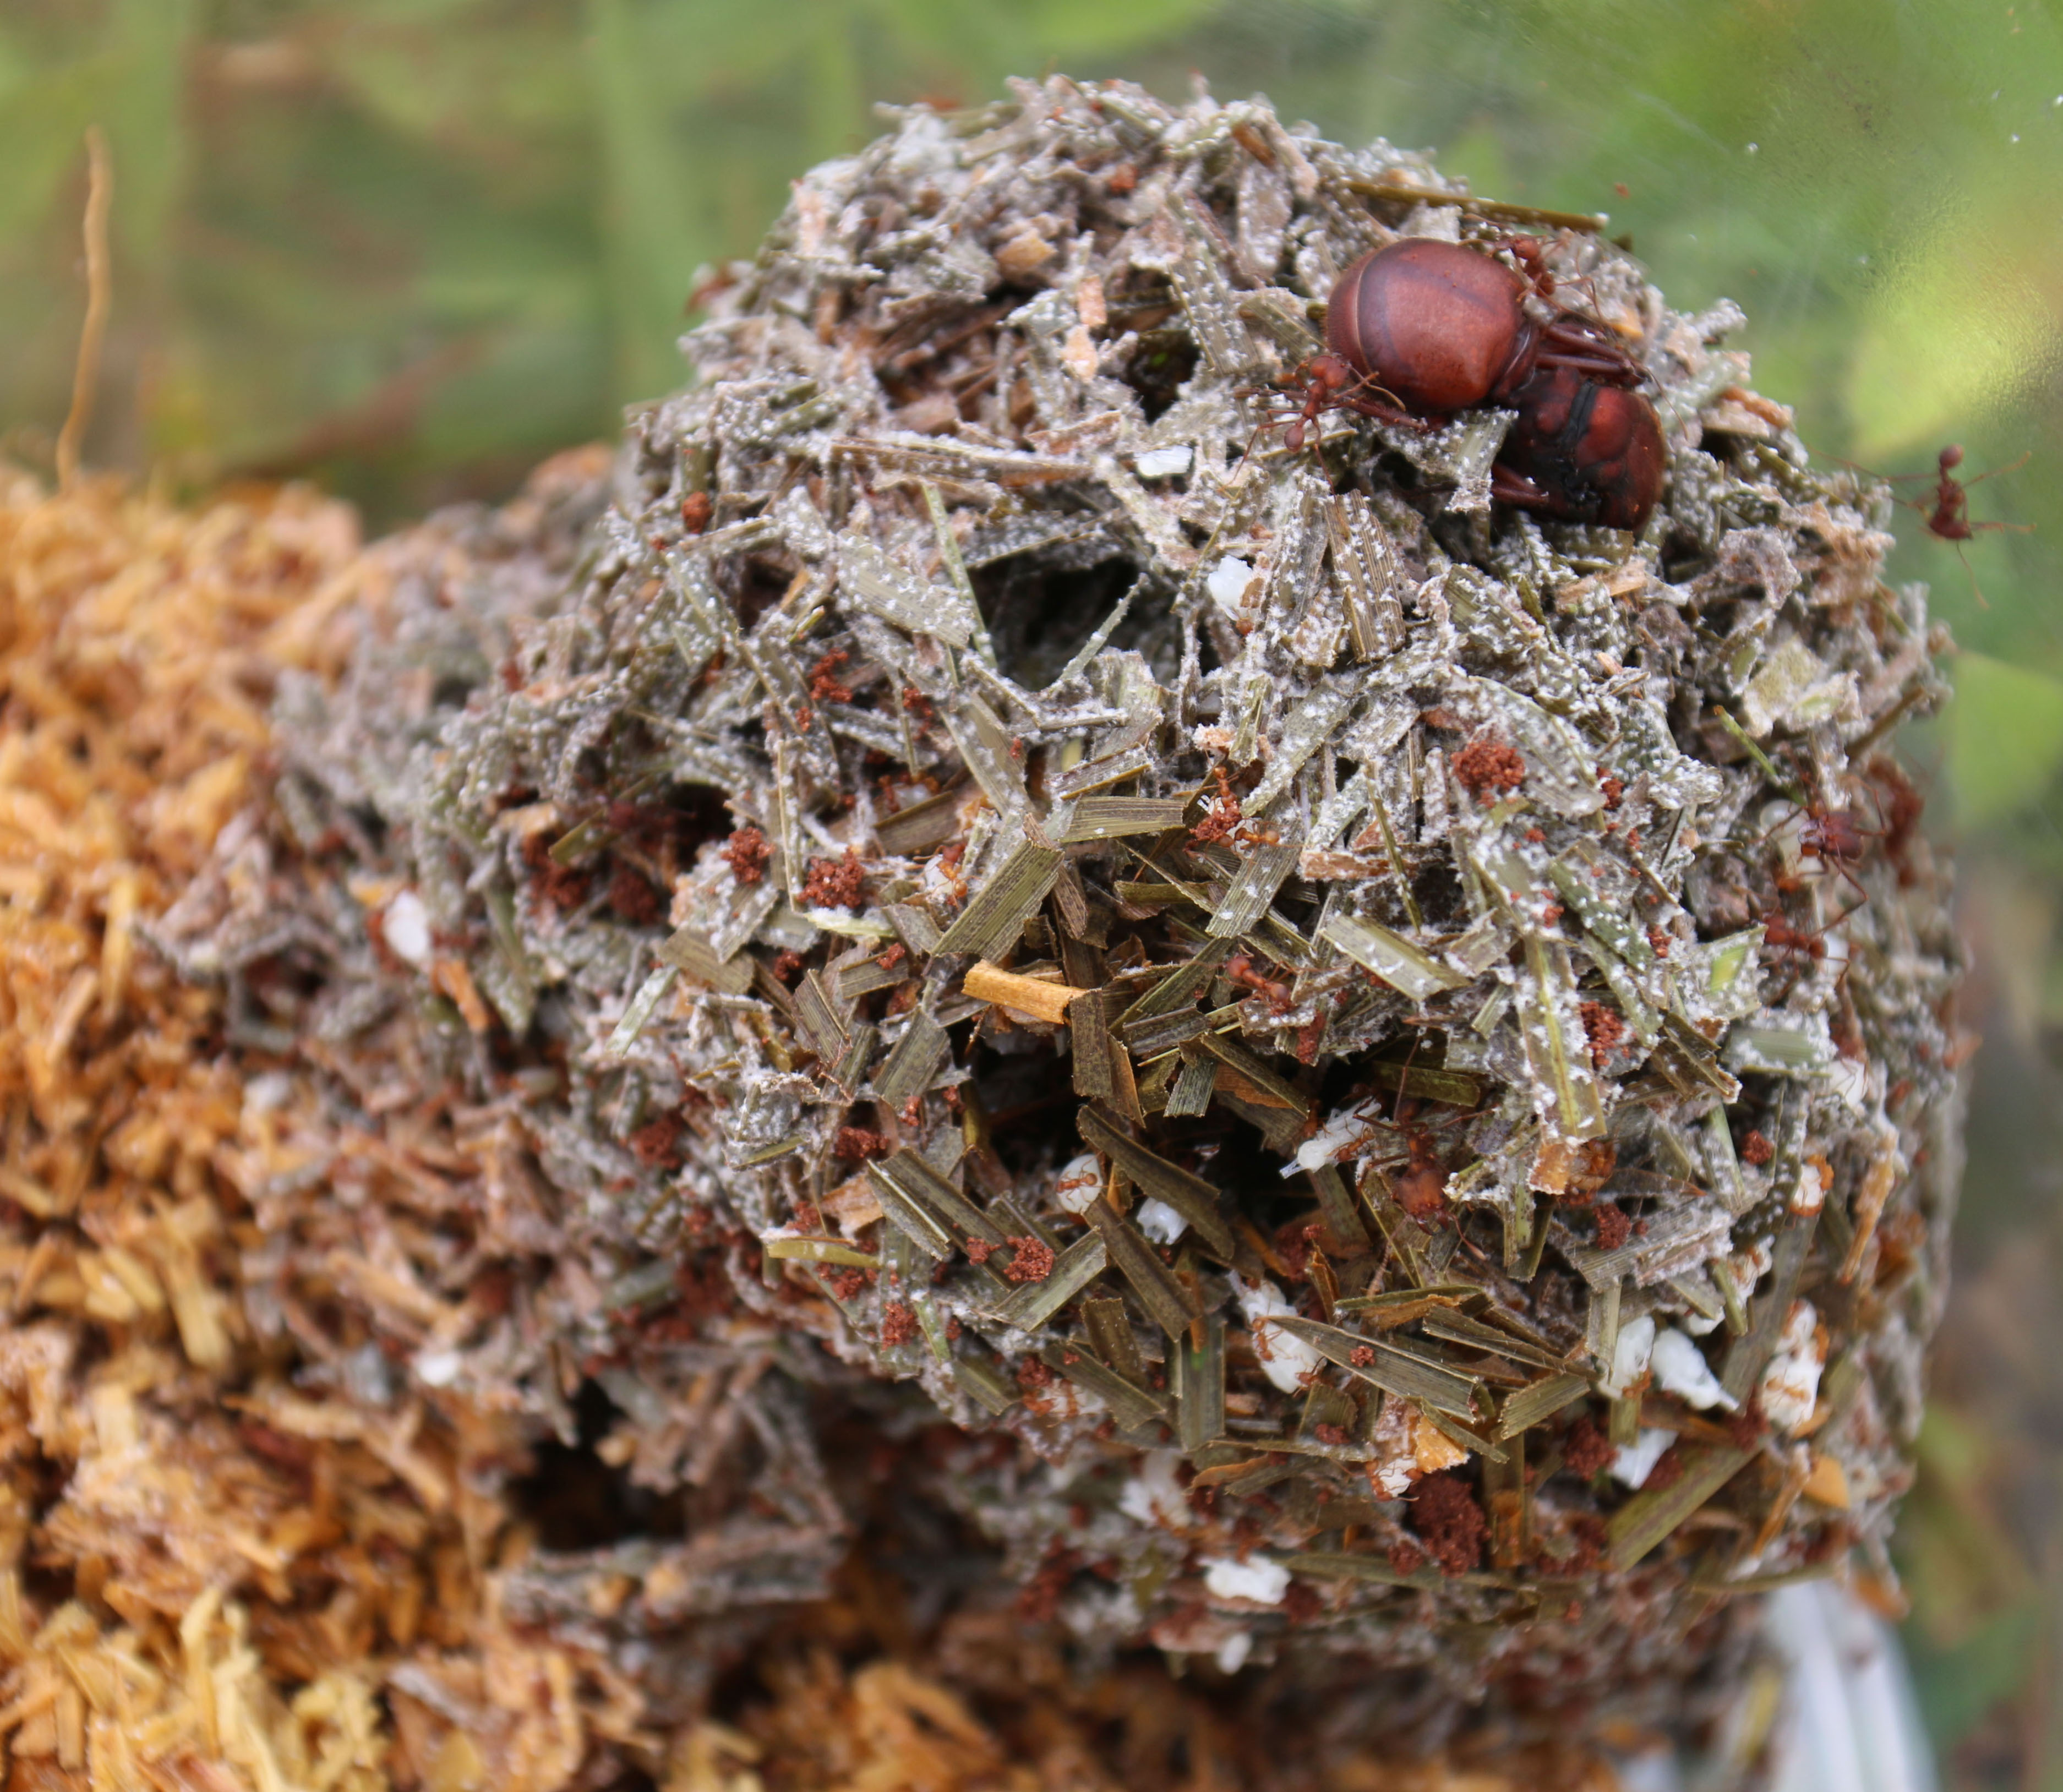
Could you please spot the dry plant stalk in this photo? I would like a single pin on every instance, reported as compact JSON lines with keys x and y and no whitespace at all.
{"x":100,"y":302}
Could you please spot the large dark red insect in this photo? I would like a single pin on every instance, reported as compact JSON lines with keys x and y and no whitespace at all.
{"x":1422,"y":329}
{"x":1580,"y":451}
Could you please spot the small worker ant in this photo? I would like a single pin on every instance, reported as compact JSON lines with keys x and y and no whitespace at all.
{"x":1948,"y":508}
{"x":1325,"y":383}
{"x":1241,"y":972}
{"x":1949,"y":519}
{"x":1832,"y":836}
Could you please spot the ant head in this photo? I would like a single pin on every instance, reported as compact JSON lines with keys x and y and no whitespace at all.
{"x":1332,"y":373}
{"x":1952,"y":457}
{"x":1531,"y":253}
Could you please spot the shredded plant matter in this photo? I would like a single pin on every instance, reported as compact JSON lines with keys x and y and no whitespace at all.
{"x":1263,"y":1033}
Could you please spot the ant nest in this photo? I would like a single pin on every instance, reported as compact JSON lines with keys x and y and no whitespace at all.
{"x":1339,"y":1072}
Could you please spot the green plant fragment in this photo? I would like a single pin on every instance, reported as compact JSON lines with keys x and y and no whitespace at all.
{"x":993,"y":917}
{"x":1527,"y":1406}
{"x":1261,"y":874}
{"x":1378,"y":1361}
{"x":690,"y":952}
{"x":1391,"y":957}
{"x":1030,"y":1306}
{"x":1189,"y":1195}
{"x":1647,"y":1519}
{"x":1168,"y":1302}
{"x":1113,"y":817}
{"x":914,"y":1061}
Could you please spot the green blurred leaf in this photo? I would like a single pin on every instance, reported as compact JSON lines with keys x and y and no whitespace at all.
{"x":1959,"y":1687}
{"x":2005,"y":737}
{"x":1969,"y":319}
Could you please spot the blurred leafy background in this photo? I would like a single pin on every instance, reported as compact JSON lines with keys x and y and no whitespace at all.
{"x":407,"y":247}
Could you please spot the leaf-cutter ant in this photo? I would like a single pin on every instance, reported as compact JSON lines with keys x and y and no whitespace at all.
{"x":1422,"y":329}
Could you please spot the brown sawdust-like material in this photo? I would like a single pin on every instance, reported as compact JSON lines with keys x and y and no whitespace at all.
{"x":208,"y":1577}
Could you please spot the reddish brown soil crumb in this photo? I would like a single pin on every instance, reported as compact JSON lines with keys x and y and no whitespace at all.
{"x":1032,"y":1373}
{"x":632,"y":896}
{"x":859,"y":1143}
{"x":696,"y":508}
{"x":1328,"y":1434}
{"x":1449,"y":1521}
{"x":786,"y":962}
{"x":847,"y":1283}
{"x":1667,"y":1471}
{"x":915,"y":703}
{"x":835,"y":883}
{"x":1032,"y":1262}
{"x":1659,"y":938}
{"x":1604,"y":1027}
{"x":1485,"y":765}
{"x":978,"y":1250}
{"x":1746,"y":1426}
{"x":1613,"y":789}
{"x":1422,"y":1191}
{"x":747,"y":853}
{"x":1219,"y":820}
{"x":1406,"y":1557}
{"x":657,"y":1145}
{"x":1590,"y":1536}
{"x":1588,"y":1451}
{"x":1361,"y":1356}
{"x":825,"y":684}
{"x":1757,"y":1149}
{"x":899,"y":1325}
{"x":1614,"y":1227}
{"x":894,"y":956}
{"x":559,"y":885}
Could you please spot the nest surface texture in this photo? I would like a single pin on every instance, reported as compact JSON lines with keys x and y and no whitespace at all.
{"x":964,"y":949}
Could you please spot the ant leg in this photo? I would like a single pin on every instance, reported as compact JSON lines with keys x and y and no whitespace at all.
{"x":1578,"y":335}
{"x":1605,"y":372}
{"x":1404,"y":1081}
{"x":1367,"y":399}
{"x":1516,"y":489}
{"x":2010,"y":467}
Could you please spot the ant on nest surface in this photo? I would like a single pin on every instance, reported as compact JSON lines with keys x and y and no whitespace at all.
{"x":1423,"y":329}
{"x":1838,"y":840}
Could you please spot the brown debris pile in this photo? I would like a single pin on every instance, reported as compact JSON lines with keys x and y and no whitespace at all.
{"x":1351,"y":929}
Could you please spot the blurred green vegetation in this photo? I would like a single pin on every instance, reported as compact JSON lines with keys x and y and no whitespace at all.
{"x":410,"y":246}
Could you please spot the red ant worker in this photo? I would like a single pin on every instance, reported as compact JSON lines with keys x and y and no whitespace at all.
{"x":1835,"y":838}
{"x":1948,"y":509}
{"x":1949,"y":519}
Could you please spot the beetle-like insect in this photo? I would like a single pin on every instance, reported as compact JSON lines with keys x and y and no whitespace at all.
{"x":1422,"y":329}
